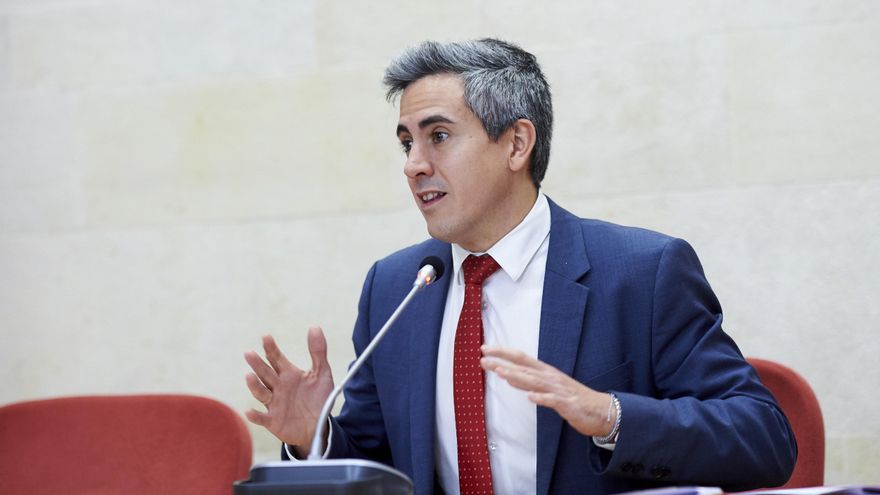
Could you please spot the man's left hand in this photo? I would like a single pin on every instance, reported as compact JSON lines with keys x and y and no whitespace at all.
{"x":585,"y":409}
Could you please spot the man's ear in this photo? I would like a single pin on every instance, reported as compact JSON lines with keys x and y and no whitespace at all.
{"x":523,"y":140}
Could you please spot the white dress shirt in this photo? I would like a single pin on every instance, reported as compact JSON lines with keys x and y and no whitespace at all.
{"x":511,"y":318}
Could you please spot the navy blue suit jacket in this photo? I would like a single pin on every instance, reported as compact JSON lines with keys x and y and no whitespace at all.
{"x":624,"y":310}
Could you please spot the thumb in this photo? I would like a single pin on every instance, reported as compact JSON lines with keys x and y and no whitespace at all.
{"x":318,"y":349}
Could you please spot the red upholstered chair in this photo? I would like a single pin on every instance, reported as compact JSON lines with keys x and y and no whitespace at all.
{"x":800,"y":405}
{"x":157,"y":444}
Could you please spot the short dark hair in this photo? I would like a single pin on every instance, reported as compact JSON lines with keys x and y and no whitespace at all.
{"x":502,"y":83}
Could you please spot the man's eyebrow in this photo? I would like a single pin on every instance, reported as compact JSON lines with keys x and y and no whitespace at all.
{"x":433,"y":119}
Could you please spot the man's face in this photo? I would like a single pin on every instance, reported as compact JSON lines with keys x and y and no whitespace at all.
{"x":460,"y":179}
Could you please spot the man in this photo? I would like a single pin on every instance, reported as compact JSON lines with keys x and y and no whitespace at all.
{"x":604,"y":368}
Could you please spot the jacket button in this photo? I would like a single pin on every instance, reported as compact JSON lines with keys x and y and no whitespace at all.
{"x":660,"y":472}
{"x":627,"y":467}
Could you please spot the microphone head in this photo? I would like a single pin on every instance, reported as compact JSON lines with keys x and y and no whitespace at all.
{"x":438,"y":265}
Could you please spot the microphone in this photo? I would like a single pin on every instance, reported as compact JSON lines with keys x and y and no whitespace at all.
{"x":429,"y":263}
{"x":431,"y":270}
{"x":339,"y":476}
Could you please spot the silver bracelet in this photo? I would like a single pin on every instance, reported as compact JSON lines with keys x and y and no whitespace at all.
{"x":612,"y":436}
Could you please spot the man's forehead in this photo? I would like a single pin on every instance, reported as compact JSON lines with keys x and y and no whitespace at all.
{"x":438,"y":93}
{"x":437,"y":81}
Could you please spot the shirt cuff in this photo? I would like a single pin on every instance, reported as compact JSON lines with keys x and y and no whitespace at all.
{"x":607,"y":446}
{"x":326,"y":450}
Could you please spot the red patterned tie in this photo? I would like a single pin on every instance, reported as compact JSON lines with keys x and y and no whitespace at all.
{"x":468,"y":381}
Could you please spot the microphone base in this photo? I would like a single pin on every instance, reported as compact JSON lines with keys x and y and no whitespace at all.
{"x":324,"y":477}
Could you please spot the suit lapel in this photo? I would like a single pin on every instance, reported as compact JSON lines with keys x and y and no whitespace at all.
{"x":563,"y":309}
{"x":427,"y":318}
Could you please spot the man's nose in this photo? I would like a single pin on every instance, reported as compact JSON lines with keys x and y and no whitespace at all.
{"x":416,"y":163}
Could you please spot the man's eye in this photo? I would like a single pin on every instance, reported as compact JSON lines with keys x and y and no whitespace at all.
{"x":406,"y":144}
{"x":439,"y":136}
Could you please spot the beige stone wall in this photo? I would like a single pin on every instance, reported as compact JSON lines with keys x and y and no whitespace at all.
{"x":178,"y":178}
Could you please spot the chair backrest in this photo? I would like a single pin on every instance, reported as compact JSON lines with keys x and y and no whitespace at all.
{"x":122,"y":444}
{"x":800,"y":405}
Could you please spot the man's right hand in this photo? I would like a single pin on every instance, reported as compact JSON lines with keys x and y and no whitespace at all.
{"x":293,"y":397}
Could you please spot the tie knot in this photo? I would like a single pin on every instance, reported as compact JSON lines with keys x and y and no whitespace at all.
{"x":478,"y":268}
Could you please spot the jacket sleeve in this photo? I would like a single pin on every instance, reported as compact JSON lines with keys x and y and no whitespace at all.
{"x":712,"y":422}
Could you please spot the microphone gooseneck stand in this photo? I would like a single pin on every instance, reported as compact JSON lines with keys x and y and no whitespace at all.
{"x":317,"y":476}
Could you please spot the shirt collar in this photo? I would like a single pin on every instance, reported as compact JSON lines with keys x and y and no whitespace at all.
{"x":516,"y":249}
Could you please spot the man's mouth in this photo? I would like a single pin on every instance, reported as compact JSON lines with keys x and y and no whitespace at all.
{"x":430,"y":197}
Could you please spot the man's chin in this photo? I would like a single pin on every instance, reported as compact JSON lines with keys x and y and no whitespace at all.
{"x":439,"y":233}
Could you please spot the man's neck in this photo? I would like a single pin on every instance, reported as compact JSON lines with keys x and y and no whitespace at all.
{"x":512,"y":214}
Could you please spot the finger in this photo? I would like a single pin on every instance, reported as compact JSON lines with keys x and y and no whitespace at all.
{"x":502,"y":367}
{"x":513,"y":355}
{"x":317,"y":348}
{"x":523,"y":378}
{"x":264,"y":372}
{"x":545,"y":399}
{"x":490,"y":364}
{"x":258,"y":390}
{"x":277,"y":359}
{"x":257,"y":417}
{"x":543,"y":379}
